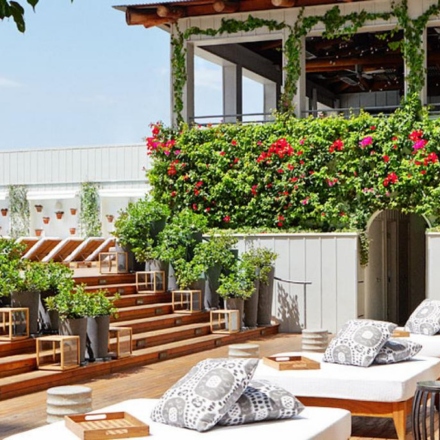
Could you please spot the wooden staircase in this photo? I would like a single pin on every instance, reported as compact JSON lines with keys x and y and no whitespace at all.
{"x":158,"y":334}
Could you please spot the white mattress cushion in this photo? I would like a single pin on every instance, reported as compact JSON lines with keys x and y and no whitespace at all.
{"x":383,"y":383}
{"x":313,"y":423}
{"x":425,"y":319}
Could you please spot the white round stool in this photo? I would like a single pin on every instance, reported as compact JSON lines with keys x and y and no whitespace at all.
{"x":67,"y":400}
{"x":314,"y":340}
{"x":244,"y":350}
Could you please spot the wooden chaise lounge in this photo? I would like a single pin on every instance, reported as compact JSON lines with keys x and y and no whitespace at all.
{"x":41,"y":248}
{"x":84,"y":250}
{"x":63,"y":249}
{"x":375,"y":391}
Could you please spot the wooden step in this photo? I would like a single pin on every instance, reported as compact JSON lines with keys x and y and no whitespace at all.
{"x":17,"y":364}
{"x":26,"y":383}
{"x":10,"y":348}
{"x":122,"y":289}
{"x":162,"y":321}
{"x":139,"y":299}
{"x":102,"y":280}
{"x":143,"y":311}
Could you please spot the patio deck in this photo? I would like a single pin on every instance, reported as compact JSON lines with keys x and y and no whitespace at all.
{"x":27,"y":412}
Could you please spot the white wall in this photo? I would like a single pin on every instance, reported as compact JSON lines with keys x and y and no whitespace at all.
{"x":329,"y":262}
{"x":432,"y":265}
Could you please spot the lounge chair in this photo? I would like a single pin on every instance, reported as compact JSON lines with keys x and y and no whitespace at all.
{"x":376,"y":391}
{"x":103,"y":247}
{"x":63,"y":249}
{"x":42,"y":248}
{"x":312,"y":423}
{"x":28,"y":242}
{"x":84,"y":250}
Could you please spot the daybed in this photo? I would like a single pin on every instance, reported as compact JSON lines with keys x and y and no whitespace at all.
{"x":312,"y":424}
{"x":378,"y":390}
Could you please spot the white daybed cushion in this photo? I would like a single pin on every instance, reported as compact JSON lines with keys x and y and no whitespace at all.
{"x":382,"y":383}
{"x":430,"y":344}
{"x":313,"y":423}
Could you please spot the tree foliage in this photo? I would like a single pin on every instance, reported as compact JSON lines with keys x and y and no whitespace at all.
{"x":9,"y":8}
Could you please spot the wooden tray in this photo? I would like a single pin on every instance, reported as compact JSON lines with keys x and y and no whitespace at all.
{"x":106,"y":425}
{"x":400,"y":334}
{"x":291,"y":363}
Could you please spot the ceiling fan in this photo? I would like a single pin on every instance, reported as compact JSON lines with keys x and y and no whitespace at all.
{"x":358,"y":77}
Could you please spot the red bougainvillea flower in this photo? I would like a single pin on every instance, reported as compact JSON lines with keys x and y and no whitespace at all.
{"x":280,"y":171}
{"x":207,"y":209}
{"x":366,"y":141}
{"x":390,"y":179}
{"x":290,"y":167}
{"x":337,"y":145}
{"x":373,"y":127}
{"x":195,"y":207}
{"x":386,"y":158}
{"x":222,"y":153}
{"x":254,"y":190}
{"x":234,"y":142}
{"x":173,"y":193}
{"x":331,"y":182}
{"x":199,"y":183}
{"x":431,"y":158}
{"x":305,"y":201}
{"x":196,"y":192}
{"x":280,"y":148}
{"x":419,"y":144}
{"x":415,"y":135}
{"x":226,"y":219}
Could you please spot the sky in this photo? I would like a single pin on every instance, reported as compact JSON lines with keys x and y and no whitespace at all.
{"x":80,"y":76}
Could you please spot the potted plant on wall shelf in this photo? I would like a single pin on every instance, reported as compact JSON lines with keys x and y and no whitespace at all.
{"x":39,"y":208}
{"x":4,"y":212}
{"x":59,"y":214}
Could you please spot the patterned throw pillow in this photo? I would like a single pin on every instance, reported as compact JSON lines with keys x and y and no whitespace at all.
{"x":358,"y":342}
{"x":397,"y":350}
{"x":262,"y":400}
{"x":425,"y":320}
{"x":203,"y":396}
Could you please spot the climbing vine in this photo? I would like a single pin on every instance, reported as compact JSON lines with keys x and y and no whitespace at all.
{"x":336,"y":25}
{"x":20,"y":213}
{"x":90,"y":208}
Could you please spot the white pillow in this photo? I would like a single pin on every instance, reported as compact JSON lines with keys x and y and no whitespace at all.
{"x":425,"y":320}
{"x":358,"y":342}
{"x":262,"y":400}
{"x":201,"y":398}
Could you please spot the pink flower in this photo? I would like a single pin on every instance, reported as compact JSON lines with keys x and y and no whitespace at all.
{"x":419,"y":144}
{"x":226,"y":219}
{"x":305,"y":201}
{"x":366,"y":141}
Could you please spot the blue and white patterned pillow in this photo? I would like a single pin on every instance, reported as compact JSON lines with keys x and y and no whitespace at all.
{"x":425,"y":320}
{"x":203,"y":396}
{"x":358,"y":342}
{"x":260,"y":401}
{"x":397,"y":350}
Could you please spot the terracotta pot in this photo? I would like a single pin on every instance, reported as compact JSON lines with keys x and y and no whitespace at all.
{"x":38,"y":232}
{"x":72,"y":231}
{"x":59,"y":214}
{"x":73,"y":211}
{"x":46,"y":220}
{"x":110,"y":218}
{"x":4,"y":212}
{"x":39,"y":208}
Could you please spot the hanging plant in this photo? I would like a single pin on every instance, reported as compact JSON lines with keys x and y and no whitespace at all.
{"x":20,"y":213}
{"x":90,"y":207}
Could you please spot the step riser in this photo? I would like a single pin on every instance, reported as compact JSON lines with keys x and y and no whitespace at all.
{"x":124,"y":315}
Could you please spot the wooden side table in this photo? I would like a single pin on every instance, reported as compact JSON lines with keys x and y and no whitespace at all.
{"x":225,"y":321}
{"x":56,"y":352}
{"x":113,"y":262}
{"x":14,"y":323}
{"x":150,"y":282}
{"x":187,"y":301}
{"x":124,"y":338}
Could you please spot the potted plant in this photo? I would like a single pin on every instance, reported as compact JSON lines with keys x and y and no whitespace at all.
{"x":73,"y":211}
{"x":46,"y":220}
{"x":101,"y":308}
{"x":4,"y":212}
{"x":215,"y":254}
{"x":138,"y":227}
{"x":39,"y":208}
{"x":258,"y":308}
{"x":59,"y":214}
{"x":73,"y":307}
{"x":237,"y":286}
{"x":110,"y":218}
{"x":176,"y":245}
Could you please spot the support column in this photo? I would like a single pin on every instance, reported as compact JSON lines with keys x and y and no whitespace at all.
{"x":270,"y":99}
{"x":232,"y":92}
{"x":299,"y":100}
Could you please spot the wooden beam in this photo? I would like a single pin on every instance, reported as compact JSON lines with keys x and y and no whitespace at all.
{"x":284,"y":3}
{"x":226,"y":6}
{"x":170,"y":13}
{"x":147,"y":19}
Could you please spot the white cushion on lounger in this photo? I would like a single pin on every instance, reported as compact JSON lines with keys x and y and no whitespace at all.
{"x":383,"y":383}
{"x":312,"y":424}
{"x":430,"y":344}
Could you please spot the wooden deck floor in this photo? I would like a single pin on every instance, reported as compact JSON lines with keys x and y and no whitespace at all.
{"x":27,"y":412}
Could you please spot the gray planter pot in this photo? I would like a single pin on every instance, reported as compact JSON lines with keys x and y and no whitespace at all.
{"x":235,"y":304}
{"x":211,"y":297}
{"x":171,"y":278}
{"x":250,"y":319}
{"x":31,"y":300}
{"x":97,"y":337}
{"x":265,"y":297}
{"x":49,"y":319}
{"x":76,"y":327}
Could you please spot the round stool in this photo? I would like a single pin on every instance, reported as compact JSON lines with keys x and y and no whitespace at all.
{"x":314,"y":340}
{"x":244,"y":350}
{"x":67,"y":400}
{"x":425,"y":408}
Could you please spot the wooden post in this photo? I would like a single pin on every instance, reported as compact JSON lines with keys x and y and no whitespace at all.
{"x":284,"y":3}
{"x":147,"y":19}
{"x":170,"y":13}
{"x":226,"y":6}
